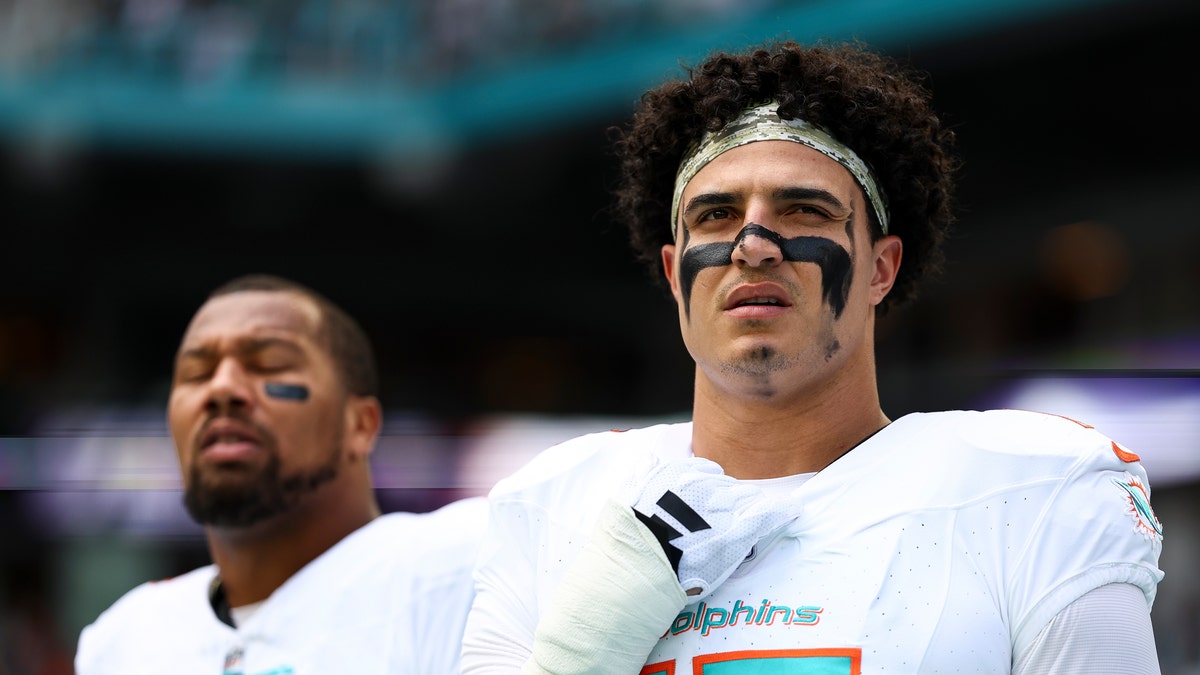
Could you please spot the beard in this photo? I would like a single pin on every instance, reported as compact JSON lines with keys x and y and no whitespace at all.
{"x":242,"y":501}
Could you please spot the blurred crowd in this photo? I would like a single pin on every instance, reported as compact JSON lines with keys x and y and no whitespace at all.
{"x":370,"y":41}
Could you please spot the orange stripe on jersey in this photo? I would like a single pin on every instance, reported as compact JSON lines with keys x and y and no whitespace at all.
{"x":1069,"y":419}
{"x":660,"y":668}
{"x":1124,"y":455}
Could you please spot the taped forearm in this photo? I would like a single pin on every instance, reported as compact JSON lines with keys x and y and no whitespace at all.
{"x":615,"y":602}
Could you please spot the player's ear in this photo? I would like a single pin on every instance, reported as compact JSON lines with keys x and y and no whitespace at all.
{"x":887,"y":254}
{"x":668,"y":268}
{"x":364,"y":419}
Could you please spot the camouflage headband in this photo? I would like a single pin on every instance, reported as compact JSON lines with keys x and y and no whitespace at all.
{"x":764,"y":124}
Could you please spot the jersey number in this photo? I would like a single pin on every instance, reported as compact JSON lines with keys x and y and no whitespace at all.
{"x":769,"y":661}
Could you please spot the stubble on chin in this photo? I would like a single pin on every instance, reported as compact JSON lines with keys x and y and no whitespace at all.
{"x":757,"y":367}
{"x":242,"y":501}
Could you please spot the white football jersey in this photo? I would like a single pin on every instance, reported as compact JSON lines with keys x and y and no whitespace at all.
{"x":943,"y":543}
{"x":392,"y":597}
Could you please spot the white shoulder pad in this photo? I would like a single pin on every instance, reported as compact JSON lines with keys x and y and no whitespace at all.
{"x":595,"y":458}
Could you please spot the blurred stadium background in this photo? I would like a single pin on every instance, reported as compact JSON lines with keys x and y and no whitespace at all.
{"x":440,"y":168}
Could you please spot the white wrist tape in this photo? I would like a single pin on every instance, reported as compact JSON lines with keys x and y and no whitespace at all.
{"x":615,"y":602}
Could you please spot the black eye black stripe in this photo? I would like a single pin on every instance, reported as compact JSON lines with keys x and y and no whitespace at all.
{"x":833,"y":260}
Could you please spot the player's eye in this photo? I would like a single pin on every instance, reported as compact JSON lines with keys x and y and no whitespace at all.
{"x":192,"y":370}
{"x":714,"y":214}
{"x":274,"y":360}
{"x":276,"y":365}
{"x":808,"y":209}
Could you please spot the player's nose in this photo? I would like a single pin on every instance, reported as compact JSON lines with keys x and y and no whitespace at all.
{"x":754,"y":247}
{"x":230,"y":387}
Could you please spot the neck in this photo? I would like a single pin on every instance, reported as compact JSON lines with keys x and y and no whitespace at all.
{"x":255,"y":560}
{"x":753,"y":438}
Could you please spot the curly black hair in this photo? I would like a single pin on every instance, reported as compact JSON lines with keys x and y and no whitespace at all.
{"x":870,"y":102}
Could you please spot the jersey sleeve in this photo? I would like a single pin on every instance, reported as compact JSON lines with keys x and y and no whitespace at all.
{"x":1097,"y":528}
{"x":503,"y":616}
{"x":90,"y":655}
{"x":1106,"y":626}
{"x":107,"y":646}
{"x":445,"y":590}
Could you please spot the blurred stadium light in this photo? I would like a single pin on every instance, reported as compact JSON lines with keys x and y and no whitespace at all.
{"x":121,"y":475}
{"x":1156,"y":417}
